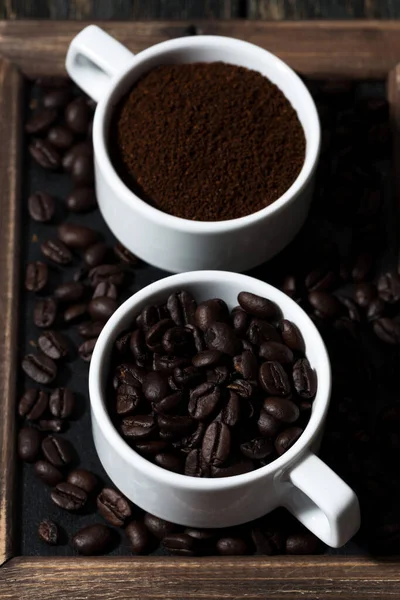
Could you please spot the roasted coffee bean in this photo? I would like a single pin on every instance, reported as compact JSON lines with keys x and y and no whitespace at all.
{"x":86,"y":349}
{"x":291,"y":336}
{"x":40,"y":368}
{"x":149,"y":316}
{"x":77,"y":150}
{"x":77,"y":236}
{"x":218,"y":375}
{"x":203,"y":536}
{"x":209,"y":312}
{"x":56,"y":98}
{"x":204,"y":401}
{"x":166,"y":364}
{"x":54,"y":344}
{"x":182,"y":308}
{"x":82,"y":199}
{"x":90,"y":329}
{"x":246,"y":364}
{"x":376,"y":309}
{"x":82,"y":171}
{"x":129,"y":400}
{"x":68,"y":496}
{"x":56,"y":251}
{"x":257,"y":448}
{"x":222,"y":337}
{"x":60,"y":137}
{"x":130,"y":374}
{"x":69,"y":292}
{"x":326,"y":305}
{"x":287,"y":438}
{"x":33,"y":404}
{"x":195,"y":466}
{"x":261,"y":331}
{"x":155,"y":386}
{"x":48,"y":473}
{"x":139,"y":537}
{"x":152,"y":447}
{"x":45,"y":154}
{"x":41,"y":207}
{"x":185,"y":377}
{"x":320,"y":279}
{"x":105,"y":290}
{"x":158,"y":527}
{"x":101,"y":309}
{"x":302,"y":543}
{"x":48,"y":532}
{"x":245,"y":389}
{"x":51,"y":425}
{"x":29,"y":440}
{"x":389,"y":287}
{"x":96,"y":254}
{"x":239,"y":467}
{"x":171,"y":461}
{"x":180,"y":544}
{"x":36,"y":276}
{"x":216,"y":445}
{"x":75,"y":312}
{"x":177,"y":425}
{"x":277,"y":352}
{"x":387,"y":330}
{"x":232,"y":546}
{"x":62,"y":402}
{"x":291,"y":287}
{"x":78,"y":115}
{"x":139,"y":427}
{"x":207,"y":358}
{"x":41,"y":120}
{"x":44,"y":312}
{"x":281,"y":409}
{"x":268,"y":425}
{"x":194,"y":440}
{"x":352,"y":308}
{"x":364,"y":293}
{"x":361,"y":267}
{"x":273,"y":379}
{"x":155,"y":333}
{"x":169,"y":404}
{"x":111,"y":273}
{"x":83,"y":479}
{"x":93,"y":539}
{"x":125,"y":256}
{"x":231,"y":410}
{"x":177,"y":341}
{"x":113,"y":507}
{"x":257,"y":306}
{"x":58,"y":450}
{"x":304,"y":379}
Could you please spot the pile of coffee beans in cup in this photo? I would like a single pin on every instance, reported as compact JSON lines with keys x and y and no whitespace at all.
{"x":207,"y":141}
{"x":68,"y":504}
{"x":207,"y":392}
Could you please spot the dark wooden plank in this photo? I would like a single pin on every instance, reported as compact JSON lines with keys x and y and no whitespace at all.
{"x":279,"y":10}
{"x":10,"y":130}
{"x":346,"y":49}
{"x":144,"y":578}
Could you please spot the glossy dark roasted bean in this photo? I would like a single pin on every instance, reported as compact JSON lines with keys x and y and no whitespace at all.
{"x":302,"y":543}
{"x":387,"y":330}
{"x":376,"y":309}
{"x":41,"y":207}
{"x":75,"y":312}
{"x":78,"y":115}
{"x":222,"y":337}
{"x":93,"y":539}
{"x":277,"y":352}
{"x":257,"y":448}
{"x":60,"y":137}
{"x":82,"y":171}
{"x":83,"y":479}
{"x":155,"y":386}
{"x":40,"y":368}
{"x":53,"y":344}
{"x":171,"y":461}
{"x":158,"y":527}
{"x":326,"y":305}
{"x":48,"y":532}
{"x":56,"y":251}
{"x":33,"y":404}
{"x":257,"y":306}
{"x":111,"y":273}
{"x":28,"y":444}
{"x":68,"y":496}
{"x":287,"y":438}
{"x":204,"y":401}
{"x":62,"y":402}
{"x":261,"y":331}
{"x":268,"y":425}
{"x":83,"y":148}
{"x":304,"y":379}
{"x":291,"y":335}
{"x":81,"y":199}
{"x":364,"y":293}
{"x":232,"y":546}
{"x":77,"y":236}
{"x":139,"y":537}
{"x":57,"y":450}
{"x":36,"y":276}
{"x":320,"y":279}
{"x":45,"y":154}
{"x":90,"y":329}
{"x":138,"y":428}
{"x":56,"y":98}
{"x":41,"y":120}
{"x":389,"y":287}
{"x":47,"y":473}
{"x":210,"y":312}
{"x":86,"y":349}
{"x":96,"y":254}
{"x":125,"y":256}
{"x":274,"y":379}
{"x":216,"y":445}
{"x":101,"y":309}
{"x":246,"y":364}
{"x":69,"y":292}
{"x":180,"y":544}
{"x":113,"y":507}
{"x":44,"y":312}
{"x":281,"y":409}
{"x":105,"y":289}
{"x":51,"y":425}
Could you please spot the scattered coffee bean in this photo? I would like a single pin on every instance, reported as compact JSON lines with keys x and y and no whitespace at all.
{"x":33,"y":404}
{"x":101,"y":309}
{"x":53,"y":344}
{"x":45,"y":154}
{"x":158,"y":527}
{"x":75,"y":312}
{"x":287,"y":438}
{"x":77,"y":236}
{"x":320,"y":279}
{"x":139,"y":537}
{"x":125,"y":256}
{"x":326,"y":305}
{"x":180,"y":544}
{"x":86,"y":349}
{"x":41,"y":120}
{"x":69,"y":292}
{"x":83,"y":148}
{"x":51,"y":425}
{"x":29,"y":440}
{"x":36,"y":276}
{"x":60,"y":137}
{"x":90,"y":329}
{"x":110,"y":273}
{"x":68,"y":496}
{"x":105,"y":289}
{"x":62,"y":402}
{"x":96,"y":254}
{"x":44,"y":312}
{"x":82,"y":171}
{"x":83,"y":479}
{"x":48,"y":473}
{"x":41,"y":207}
{"x":57,"y":450}
{"x":56,"y":98}
{"x":113,"y":506}
{"x":40,"y":368}
{"x":232,"y":546}
{"x":48,"y":532}
{"x":387,"y":330}
{"x":82,"y":199}
{"x":93,"y":539}
{"x":291,"y":336}
{"x":78,"y":115}
{"x":302,"y":543}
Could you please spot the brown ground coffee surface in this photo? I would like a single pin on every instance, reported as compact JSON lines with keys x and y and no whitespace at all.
{"x":207,"y":141}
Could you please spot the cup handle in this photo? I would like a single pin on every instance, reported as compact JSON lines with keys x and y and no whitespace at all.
{"x":94,"y":58}
{"x":322,"y":501}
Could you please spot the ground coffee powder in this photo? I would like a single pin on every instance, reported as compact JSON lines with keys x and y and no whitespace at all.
{"x":207,"y":141}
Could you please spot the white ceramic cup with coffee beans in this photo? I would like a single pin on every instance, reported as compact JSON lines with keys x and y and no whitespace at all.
{"x":297,"y":480}
{"x":106,"y":71}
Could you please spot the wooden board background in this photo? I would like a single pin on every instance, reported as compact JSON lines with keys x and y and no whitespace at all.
{"x":276,"y":10}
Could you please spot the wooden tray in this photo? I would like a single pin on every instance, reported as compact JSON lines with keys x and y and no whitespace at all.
{"x":355,"y":50}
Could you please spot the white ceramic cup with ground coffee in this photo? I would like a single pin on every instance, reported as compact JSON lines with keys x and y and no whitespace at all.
{"x":106,"y":71}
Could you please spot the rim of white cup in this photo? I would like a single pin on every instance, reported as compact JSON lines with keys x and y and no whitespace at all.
{"x":108,"y":335}
{"x":204,"y":227}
